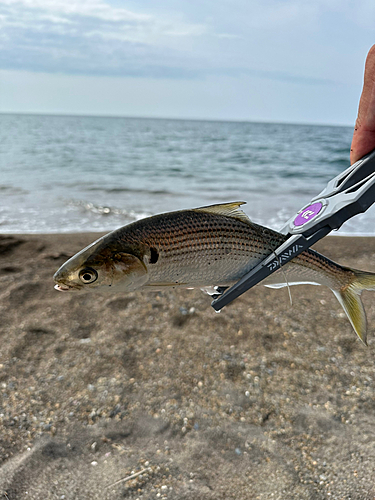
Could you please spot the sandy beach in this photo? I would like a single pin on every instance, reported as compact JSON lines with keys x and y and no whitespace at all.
{"x":265,"y":400}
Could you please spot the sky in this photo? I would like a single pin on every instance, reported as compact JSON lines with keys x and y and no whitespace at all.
{"x":296,"y":61}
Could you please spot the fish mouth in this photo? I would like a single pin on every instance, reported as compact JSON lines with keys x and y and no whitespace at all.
{"x":62,"y":288}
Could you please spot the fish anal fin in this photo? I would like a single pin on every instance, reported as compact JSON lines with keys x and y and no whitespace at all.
{"x":282,"y":285}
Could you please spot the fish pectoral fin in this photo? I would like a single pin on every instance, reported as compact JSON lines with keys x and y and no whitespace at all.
{"x":228,"y":209}
{"x":161,"y":285}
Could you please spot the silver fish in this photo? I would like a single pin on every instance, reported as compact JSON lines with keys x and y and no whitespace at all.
{"x":202,"y":248}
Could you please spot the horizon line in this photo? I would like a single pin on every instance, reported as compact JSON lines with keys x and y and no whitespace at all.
{"x":161,"y":118}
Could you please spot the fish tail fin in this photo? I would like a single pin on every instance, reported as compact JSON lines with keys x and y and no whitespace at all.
{"x":349,"y":296}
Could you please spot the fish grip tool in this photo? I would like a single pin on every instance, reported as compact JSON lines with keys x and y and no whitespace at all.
{"x":346,"y":195}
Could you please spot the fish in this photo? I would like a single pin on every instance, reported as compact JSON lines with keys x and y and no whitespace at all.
{"x":210,"y":248}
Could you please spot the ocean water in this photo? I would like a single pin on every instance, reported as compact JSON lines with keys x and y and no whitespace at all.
{"x":77,"y":174}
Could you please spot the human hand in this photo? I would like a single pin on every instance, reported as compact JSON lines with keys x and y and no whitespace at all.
{"x":364,"y":131}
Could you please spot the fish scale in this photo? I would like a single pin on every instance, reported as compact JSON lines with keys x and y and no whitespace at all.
{"x":188,"y":238}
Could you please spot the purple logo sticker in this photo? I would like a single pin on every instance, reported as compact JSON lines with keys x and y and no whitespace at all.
{"x":307,"y":214}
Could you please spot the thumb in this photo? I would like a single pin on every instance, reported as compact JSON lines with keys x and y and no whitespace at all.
{"x":364,"y":131}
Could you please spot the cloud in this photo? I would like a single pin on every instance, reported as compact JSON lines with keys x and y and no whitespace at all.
{"x":95,"y":37}
{"x":90,"y":37}
{"x":79,"y":17}
{"x":73,"y":8}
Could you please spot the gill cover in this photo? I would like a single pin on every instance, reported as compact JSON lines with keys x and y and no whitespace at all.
{"x":128,"y":270}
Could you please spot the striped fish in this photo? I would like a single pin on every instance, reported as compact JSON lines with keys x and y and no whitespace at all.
{"x":203,"y":248}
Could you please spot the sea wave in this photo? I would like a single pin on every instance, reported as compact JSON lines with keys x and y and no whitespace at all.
{"x":90,"y":173}
{"x":107,"y":211}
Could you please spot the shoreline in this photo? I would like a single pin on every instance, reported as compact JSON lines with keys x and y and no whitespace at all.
{"x":264,"y":399}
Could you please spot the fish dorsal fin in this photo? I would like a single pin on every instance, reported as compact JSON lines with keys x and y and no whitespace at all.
{"x":227,"y":209}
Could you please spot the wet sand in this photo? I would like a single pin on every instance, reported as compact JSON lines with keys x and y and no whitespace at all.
{"x":262,"y":401}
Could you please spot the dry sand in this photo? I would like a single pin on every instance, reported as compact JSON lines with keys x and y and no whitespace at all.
{"x":261,"y":401}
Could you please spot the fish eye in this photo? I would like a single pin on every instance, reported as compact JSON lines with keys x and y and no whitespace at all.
{"x":88,"y":275}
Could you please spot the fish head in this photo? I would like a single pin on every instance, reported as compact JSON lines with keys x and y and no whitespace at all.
{"x":101,"y":266}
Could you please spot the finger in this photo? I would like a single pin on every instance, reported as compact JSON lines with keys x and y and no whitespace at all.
{"x":364,"y":131}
